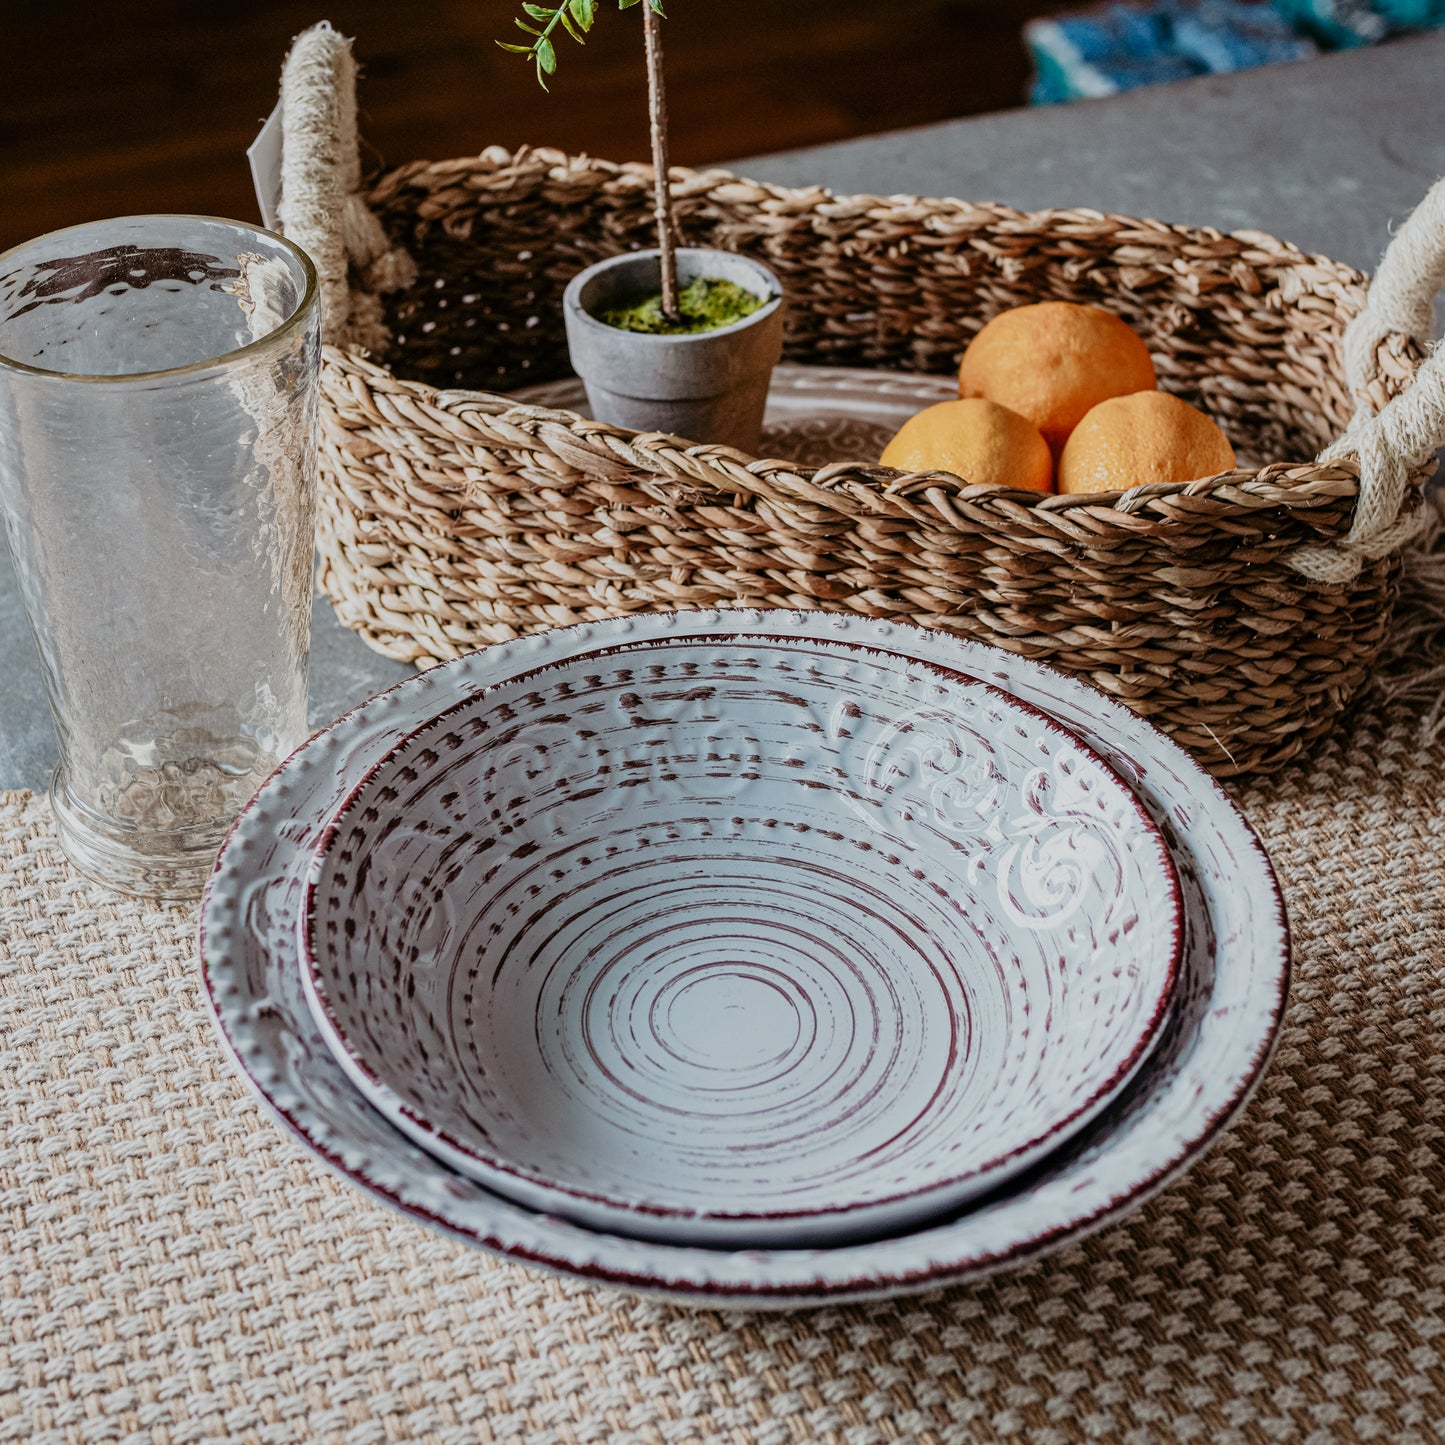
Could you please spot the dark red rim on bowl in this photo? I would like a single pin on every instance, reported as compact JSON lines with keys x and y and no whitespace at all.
{"x":1004,"y":1165}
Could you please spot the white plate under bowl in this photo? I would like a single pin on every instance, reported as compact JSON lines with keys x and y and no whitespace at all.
{"x":753,"y":942}
{"x":1220,"y":1034}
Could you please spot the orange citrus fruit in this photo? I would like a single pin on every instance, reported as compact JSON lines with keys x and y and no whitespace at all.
{"x":975,"y":439}
{"x":1052,"y":362}
{"x":1148,"y":437}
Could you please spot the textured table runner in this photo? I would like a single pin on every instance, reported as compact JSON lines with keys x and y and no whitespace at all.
{"x":174,"y":1269}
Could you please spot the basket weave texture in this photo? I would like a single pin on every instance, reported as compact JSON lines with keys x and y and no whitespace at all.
{"x":453,"y":518}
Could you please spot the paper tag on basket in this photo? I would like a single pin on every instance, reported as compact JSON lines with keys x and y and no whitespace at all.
{"x":264,"y":153}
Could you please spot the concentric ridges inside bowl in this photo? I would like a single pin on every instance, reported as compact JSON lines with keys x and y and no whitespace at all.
{"x":941,"y":918}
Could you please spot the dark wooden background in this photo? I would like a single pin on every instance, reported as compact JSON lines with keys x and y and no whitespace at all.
{"x":110,"y":108}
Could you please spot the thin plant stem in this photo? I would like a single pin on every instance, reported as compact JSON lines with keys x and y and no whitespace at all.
{"x":662,"y":191}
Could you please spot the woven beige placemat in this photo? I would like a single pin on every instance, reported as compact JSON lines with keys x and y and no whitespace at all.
{"x":174,"y":1269}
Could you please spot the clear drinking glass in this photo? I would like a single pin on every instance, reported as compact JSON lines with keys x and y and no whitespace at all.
{"x":158,"y":380}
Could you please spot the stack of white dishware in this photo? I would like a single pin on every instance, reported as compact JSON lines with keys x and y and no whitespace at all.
{"x":759,"y":958}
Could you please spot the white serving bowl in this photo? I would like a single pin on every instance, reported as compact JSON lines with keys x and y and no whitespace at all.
{"x":750,"y":942}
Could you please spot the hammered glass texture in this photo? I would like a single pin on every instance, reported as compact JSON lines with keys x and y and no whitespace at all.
{"x":158,"y":380}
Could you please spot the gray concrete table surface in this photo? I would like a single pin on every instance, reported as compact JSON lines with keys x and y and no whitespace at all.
{"x":1328,"y":153}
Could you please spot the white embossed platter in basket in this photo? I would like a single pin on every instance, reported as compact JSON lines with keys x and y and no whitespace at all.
{"x":816,"y":415}
{"x":1218,"y":1039}
{"x":754,"y":942}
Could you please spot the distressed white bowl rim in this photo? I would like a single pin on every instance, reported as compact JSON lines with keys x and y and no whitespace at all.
{"x":722,"y":1225}
{"x":1176,"y":1108}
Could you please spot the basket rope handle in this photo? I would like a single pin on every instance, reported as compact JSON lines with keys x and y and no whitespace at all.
{"x":1393,"y":442}
{"x":321,"y":208}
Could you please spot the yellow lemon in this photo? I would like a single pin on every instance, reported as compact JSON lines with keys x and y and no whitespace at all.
{"x":1148,"y":437}
{"x":977,"y":440}
{"x":1053,"y":362}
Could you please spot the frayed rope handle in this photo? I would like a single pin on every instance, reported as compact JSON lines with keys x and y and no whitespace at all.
{"x":1394,"y":442}
{"x":321,"y":205}
{"x":322,"y":211}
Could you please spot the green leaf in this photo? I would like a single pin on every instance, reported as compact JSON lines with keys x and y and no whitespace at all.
{"x":570,"y":26}
{"x":546,"y":56}
{"x":626,"y":4}
{"x":657,"y":8}
{"x":515,"y":49}
{"x":538,"y":12}
{"x":530,"y":29}
{"x":584,"y":12}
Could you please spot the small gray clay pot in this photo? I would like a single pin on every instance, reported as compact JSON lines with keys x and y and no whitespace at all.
{"x":709,"y":387}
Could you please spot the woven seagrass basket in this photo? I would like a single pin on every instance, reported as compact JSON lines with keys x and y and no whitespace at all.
{"x":1239,"y":612}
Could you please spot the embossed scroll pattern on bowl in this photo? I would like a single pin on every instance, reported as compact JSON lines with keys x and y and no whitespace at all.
{"x":747,"y":944}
